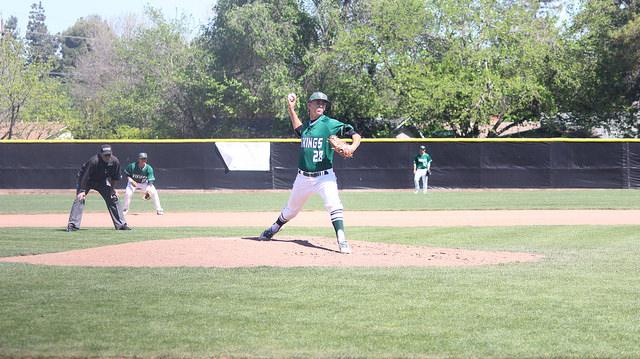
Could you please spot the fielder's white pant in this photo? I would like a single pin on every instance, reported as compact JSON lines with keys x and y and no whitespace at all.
{"x":303,"y":187}
{"x":128,"y":194}
{"x":421,"y":174}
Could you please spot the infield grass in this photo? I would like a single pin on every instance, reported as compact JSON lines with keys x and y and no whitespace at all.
{"x":582,"y":300}
{"x":257,"y":201}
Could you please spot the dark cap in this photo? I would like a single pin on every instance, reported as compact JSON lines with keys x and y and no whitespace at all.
{"x":423,"y":147}
{"x":142,"y":155}
{"x":105,"y":150}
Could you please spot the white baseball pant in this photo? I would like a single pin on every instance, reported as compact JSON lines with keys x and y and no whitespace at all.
{"x":421,"y":174}
{"x":303,"y":187}
{"x":146,"y":187}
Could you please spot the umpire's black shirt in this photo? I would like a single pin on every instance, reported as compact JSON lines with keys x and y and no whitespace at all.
{"x":96,"y":171}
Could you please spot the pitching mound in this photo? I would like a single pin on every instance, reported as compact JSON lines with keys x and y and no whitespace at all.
{"x":280,"y":252}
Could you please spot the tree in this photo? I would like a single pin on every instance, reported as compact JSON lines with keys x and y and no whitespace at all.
{"x":10,"y":28}
{"x":151,"y":83}
{"x":81,"y":38}
{"x":262,"y":45}
{"x":495,"y":65}
{"x":438,"y":65}
{"x":40,"y":44}
{"x":27,"y":93}
{"x":441,"y":65}
{"x":91,"y":69}
{"x":605,"y":83}
{"x":16,"y":83}
{"x":145,"y":97}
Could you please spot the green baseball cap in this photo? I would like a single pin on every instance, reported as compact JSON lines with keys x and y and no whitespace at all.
{"x":318,"y":96}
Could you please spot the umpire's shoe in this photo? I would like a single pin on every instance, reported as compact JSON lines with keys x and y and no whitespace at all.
{"x":267,"y":235}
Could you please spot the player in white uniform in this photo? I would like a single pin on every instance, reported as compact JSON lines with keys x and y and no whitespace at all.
{"x":140,"y":176}
{"x":315,"y":166}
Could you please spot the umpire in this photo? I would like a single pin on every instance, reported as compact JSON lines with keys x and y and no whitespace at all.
{"x":101,"y":173}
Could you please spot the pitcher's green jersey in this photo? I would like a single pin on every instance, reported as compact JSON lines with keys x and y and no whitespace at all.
{"x":316,"y":154}
{"x":140,"y":175}
{"x":422,"y":161}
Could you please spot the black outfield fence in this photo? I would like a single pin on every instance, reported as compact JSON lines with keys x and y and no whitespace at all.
{"x":198,"y":164}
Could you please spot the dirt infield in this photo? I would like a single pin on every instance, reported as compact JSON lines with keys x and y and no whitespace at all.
{"x":280,"y":252}
{"x":352,"y":218}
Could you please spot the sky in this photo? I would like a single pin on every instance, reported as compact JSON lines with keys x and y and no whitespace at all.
{"x":62,"y":14}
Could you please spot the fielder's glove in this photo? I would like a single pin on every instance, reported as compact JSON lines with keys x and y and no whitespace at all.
{"x":340,"y":146}
{"x":147,"y":196}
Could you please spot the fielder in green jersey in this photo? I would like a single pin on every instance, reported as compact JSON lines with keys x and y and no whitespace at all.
{"x":421,"y":169}
{"x":315,"y":166}
{"x":140,"y":176}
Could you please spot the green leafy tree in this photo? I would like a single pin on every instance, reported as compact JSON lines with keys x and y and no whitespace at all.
{"x":91,"y":69}
{"x":15,"y":84}
{"x":146,"y":94}
{"x":604,"y":86}
{"x":155,"y":85}
{"x":27,"y":93}
{"x":81,"y":38}
{"x":495,"y":64}
{"x":40,"y":44}
{"x":261,"y":45}
{"x":470,"y":67}
{"x":346,"y":64}
{"x":438,"y":64}
{"x":206,"y":105}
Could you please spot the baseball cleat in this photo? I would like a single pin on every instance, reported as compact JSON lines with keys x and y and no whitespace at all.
{"x":124,"y":228}
{"x":160,"y":212}
{"x":267,"y":235}
{"x":344,"y":247}
{"x":72,"y":228}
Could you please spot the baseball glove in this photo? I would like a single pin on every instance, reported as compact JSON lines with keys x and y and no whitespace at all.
{"x":340,"y":146}
{"x":147,"y":196}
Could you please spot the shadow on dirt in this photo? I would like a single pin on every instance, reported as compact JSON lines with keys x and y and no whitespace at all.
{"x":300,"y":242}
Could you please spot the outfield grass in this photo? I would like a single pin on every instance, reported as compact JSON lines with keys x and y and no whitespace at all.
{"x":583,"y":300}
{"x":353,"y":200}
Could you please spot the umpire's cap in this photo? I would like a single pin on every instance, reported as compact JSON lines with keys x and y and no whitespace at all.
{"x":142,"y":156}
{"x":318,"y":96}
{"x":105,"y":150}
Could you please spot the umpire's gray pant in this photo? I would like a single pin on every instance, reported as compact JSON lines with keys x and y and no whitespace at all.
{"x":113,"y":205}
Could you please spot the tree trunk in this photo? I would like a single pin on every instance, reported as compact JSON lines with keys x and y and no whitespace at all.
{"x":12,"y":122}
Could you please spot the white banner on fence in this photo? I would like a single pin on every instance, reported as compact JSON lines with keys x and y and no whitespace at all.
{"x":246,"y":156}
